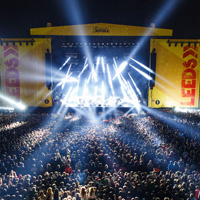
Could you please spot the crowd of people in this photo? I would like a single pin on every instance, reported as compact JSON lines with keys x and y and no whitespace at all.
{"x":132,"y":157}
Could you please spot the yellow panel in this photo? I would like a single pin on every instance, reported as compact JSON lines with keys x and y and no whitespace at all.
{"x":101,"y":29}
{"x":23,"y":73}
{"x":177,"y":74}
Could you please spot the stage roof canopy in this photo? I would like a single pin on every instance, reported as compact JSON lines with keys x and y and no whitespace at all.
{"x":101,"y":29}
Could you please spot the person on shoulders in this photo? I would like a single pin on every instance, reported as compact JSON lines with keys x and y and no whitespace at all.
{"x":83,"y":193}
{"x":92,"y":193}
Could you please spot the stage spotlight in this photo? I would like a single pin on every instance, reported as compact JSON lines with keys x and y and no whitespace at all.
{"x":103,"y":65}
{"x":94,"y":74}
{"x":166,"y":9}
{"x":110,"y":80}
{"x":83,"y":70}
{"x":95,"y":92}
{"x":134,"y":98}
{"x":66,"y":79}
{"x":66,"y":96}
{"x":64,"y":63}
{"x":88,"y":80}
{"x":183,"y":110}
{"x":69,"y":69}
{"x":121,"y":68}
{"x":60,"y":68}
{"x":142,"y":65}
{"x":98,"y":61}
{"x":21,"y":106}
{"x":7,"y":108}
{"x":97,"y":68}
{"x":141,"y":72}
{"x":77,"y":87}
{"x":13,"y":102}
{"x":122,"y":84}
{"x":103,"y":92}
{"x":137,"y":89}
{"x":115,"y":64}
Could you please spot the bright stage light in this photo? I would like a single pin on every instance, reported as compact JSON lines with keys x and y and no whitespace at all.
{"x":96,"y":70}
{"x":103,"y":65}
{"x":86,"y":61}
{"x":88,"y":80}
{"x":141,"y":72}
{"x":98,"y":61}
{"x":85,"y":90}
{"x":115,"y":64}
{"x":132,"y":93}
{"x":66,"y":96}
{"x":64,"y":63}
{"x":13,"y":102}
{"x":167,"y":90}
{"x":84,"y":68}
{"x":77,"y":87}
{"x":94,"y":74}
{"x":119,"y":77}
{"x":21,"y":106}
{"x":166,"y":81}
{"x":72,"y":79}
{"x":95,"y":92}
{"x":122,"y":85}
{"x":7,"y":108}
{"x":69,"y":69}
{"x":183,"y":110}
{"x":67,"y":79}
{"x":72,"y":98}
{"x":121,"y":68}
{"x":124,"y":81}
{"x":74,"y":10}
{"x":110,"y":81}
{"x":167,"y":7}
{"x":142,"y":65}
{"x":135,"y":85}
{"x":60,"y":68}
{"x":103,"y":90}
{"x":126,"y":87}
{"x":135,"y":100}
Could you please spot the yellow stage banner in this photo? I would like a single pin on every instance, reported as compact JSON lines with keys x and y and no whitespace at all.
{"x":101,"y":29}
{"x":23,"y":73}
{"x":177,"y":74}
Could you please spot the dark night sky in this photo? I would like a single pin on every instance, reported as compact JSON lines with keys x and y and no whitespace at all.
{"x":17,"y":17}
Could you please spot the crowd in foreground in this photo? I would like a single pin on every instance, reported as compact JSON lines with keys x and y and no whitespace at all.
{"x":137,"y":156}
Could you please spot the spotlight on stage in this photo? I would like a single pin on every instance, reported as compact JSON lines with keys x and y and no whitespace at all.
{"x":136,"y":87}
{"x":13,"y":102}
{"x":181,"y":110}
{"x":160,"y":17}
{"x":142,"y":65}
{"x":121,"y":69}
{"x":64,"y":63}
{"x":141,"y":72}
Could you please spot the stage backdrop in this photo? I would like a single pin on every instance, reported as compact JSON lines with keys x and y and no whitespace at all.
{"x":177,"y":73}
{"x":23,"y":71}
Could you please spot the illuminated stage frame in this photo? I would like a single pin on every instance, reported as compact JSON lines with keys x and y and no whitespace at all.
{"x":98,"y":35}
